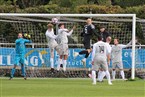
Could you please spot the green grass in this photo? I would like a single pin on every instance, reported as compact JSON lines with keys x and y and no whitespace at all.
{"x":69,"y":88}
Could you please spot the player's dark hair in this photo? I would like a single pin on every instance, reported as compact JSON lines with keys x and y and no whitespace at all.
{"x":102,"y":26}
{"x":60,"y":24}
{"x":99,"y":38}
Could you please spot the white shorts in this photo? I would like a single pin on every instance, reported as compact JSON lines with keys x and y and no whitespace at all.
{"x":53,"y":46}
{"x":100,"y":63}
{"x":117,"y":65}
{"x":63,"y":49}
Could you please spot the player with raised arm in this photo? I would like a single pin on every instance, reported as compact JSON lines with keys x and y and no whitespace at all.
{"x":63,"y":45}
{"x":51,"y":43}
{"x":20,"y":55}
{"x":88,"y":31}
{"x":99,"y":59}
{"x":116,"y":56}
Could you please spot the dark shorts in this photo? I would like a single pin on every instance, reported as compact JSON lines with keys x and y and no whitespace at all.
{"x":87,"y":45}
{"x":86,"y":42}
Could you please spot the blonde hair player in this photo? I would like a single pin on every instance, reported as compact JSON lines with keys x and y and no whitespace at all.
{"x":51,"y":43}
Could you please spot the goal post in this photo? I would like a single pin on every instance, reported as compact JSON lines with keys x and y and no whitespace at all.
{"x":133,"y":45}
{"x":111,"y":20}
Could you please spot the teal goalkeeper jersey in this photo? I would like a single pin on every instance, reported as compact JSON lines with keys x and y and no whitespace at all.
{"x":20,"y":45}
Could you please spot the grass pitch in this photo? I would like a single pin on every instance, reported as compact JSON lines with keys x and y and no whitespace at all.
{"x":55,"y":87}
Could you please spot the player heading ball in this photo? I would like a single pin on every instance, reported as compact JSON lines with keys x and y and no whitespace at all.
{"x":88,"y":31}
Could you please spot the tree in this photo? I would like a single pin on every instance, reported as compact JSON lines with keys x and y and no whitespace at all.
{"x":5,"y":2}
{"x":100,"y":2}
{"x":30,"y":3}
{"x":128,"y":3}
{"x":68,"y":3}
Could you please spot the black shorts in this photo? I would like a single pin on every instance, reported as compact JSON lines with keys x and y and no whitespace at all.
{"x":86,"y":42}
{"x":87,"y":45}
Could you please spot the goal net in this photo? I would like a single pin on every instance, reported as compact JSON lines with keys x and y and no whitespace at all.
{"x":121,"y":26}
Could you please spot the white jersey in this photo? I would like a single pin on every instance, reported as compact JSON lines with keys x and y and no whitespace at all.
{"x":116,"y":53}
{"x":51,"y":37}
{"x":100,"y":49}
{"x":62,"y":36}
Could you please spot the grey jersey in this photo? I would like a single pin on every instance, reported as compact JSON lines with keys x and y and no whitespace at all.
{"x":62,"y":36}
{"x":109,"y":48}
{"x":100,"y":49}
{"x":116,"y":52}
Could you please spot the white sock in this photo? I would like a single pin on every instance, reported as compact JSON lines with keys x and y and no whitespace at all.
{"x":94,"y":77}
{"x":113,"y":74}
{"x":102,"y":75}
{"x":122,"y":74}
{"x":64,"y":65}
{"x":58,"y":65}
{"x":84,"y":59}
{"x":52,"y":62}
{"x":99,"y":75}
{"x":76,"y":53}
{"x":108,"y":76}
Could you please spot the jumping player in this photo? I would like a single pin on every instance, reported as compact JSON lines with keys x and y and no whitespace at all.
{"x":88,"y":31}
{"x":63,"y":45}
{"x":51,"y":43}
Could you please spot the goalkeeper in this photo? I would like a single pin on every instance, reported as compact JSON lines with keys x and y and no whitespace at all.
{"x":20,"y":55}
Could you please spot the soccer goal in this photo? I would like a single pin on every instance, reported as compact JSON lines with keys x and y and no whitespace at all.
{"x":121,"y":26}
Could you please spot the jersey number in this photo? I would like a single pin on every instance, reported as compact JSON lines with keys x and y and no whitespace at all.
{"x":101,"y":49}
{"x":86,"y":31}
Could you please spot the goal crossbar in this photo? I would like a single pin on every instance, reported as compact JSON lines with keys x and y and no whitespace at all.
{"x":68,"y":15}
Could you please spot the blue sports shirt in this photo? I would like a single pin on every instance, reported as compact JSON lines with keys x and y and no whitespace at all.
{"x":20,"y":45}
